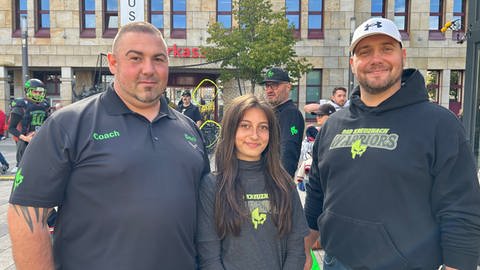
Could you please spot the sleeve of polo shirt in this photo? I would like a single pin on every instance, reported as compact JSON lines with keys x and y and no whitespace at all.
{"x":43,"y":172}
{"x":291,"y":132}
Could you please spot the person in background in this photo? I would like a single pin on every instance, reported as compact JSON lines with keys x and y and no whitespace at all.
{"x":250,"y":215}
{"x":186,"y":107}
{"x":338,"y":100}
{"x":277,"y":93}
{"x":3,"y":127}
{"x":393,"y":183}
{"x":28,"y":115}
{"x":303,"y":170}
{"x":115,"y":166}
{"x":323,"y":113}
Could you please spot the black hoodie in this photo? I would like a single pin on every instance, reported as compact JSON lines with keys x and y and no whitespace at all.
{"x":395,"y":186}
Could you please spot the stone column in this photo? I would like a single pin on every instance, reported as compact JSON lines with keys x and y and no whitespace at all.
{"x":4,"y":88}
{"x":66,"y":86}
{"x":445,"y":88}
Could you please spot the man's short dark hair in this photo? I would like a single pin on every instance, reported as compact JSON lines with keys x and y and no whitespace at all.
{"x":137,"y":27}
{"x":337,"y":89}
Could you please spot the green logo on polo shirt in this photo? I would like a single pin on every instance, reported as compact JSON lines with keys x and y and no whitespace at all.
{"x":105,"y":136}
{"x":190,"y":138}
{"x":18,"y":179}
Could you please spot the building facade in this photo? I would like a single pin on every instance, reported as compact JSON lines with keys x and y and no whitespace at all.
{"x":66,"y":44}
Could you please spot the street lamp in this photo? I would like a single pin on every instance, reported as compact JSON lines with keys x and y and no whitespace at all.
{"x":350,"y":74}
{"x":24,"y":28}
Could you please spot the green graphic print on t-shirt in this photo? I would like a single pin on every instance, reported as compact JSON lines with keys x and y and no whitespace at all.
{"x":259,"y":207}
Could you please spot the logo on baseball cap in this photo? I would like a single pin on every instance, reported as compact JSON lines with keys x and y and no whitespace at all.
{"x":375,"y":26}
{"x":276,"y":74}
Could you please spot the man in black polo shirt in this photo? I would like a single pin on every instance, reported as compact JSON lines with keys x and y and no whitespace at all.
{"x":126,"y":198}
{"x":186,"y":107}
{"x":277,"y":92}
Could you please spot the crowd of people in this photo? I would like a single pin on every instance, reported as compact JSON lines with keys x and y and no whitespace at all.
{"x":392,"y":182}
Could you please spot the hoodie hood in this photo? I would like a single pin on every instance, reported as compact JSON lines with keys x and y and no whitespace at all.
{"x":412,"y":91}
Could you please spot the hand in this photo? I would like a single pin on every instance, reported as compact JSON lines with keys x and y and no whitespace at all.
{"x":309,"y":241}
{"x":308,"y":261}
{"x":27,"y":138}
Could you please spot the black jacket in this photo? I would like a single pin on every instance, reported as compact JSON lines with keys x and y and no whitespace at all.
{"x":395,"y":186}
{"x":292,"y":126}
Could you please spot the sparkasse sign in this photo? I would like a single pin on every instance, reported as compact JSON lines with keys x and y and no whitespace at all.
{"x":184,"y":52}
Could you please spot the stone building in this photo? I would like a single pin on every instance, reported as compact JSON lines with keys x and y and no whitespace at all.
{"x":67,"y":42}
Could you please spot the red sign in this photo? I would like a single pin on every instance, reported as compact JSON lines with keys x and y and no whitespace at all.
{"x":180,"y":52}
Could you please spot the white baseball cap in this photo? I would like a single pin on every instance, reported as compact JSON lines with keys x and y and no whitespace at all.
{"x":375,"y":26}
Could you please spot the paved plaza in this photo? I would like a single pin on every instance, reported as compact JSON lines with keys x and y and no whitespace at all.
{"x":7,"y":147}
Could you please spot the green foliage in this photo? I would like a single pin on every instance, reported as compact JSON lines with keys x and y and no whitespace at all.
{"x":261,"y":38}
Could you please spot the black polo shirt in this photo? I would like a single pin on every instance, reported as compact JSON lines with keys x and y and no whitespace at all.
{"x":126,"y":187}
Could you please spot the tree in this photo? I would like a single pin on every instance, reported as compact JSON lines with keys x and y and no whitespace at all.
{"x":261,"y":39}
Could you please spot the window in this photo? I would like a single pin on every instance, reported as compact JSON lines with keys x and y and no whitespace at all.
{"x":456,"y":91}
{"x":459,"y":15}
{"x":378,"y":8}
{"x":20,"y":9}
{"x":52,"y":80}
{"x":87,"y":19}
{"x":156,"y":13}
{"x":401,"y":17}
{"x":42,"y":19}
{"x":110,"y":18}
{"x":294,"y":94}
{"x":292,"y":8}
{"x":179,"y":19}
{"x":433,"y":85}
{"x":224,"y":13}
{"x":314,"y":89}
{"x":436,"y":20}
{"x":315,"y":19}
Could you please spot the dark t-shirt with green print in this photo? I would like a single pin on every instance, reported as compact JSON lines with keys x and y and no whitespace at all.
{"x":258,"y":246}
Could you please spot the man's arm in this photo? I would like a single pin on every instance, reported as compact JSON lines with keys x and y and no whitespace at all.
{"x":31,"y":243}
{"x":455,"y":195}
{"x":197,"y":117}
{"x":312,"y":107}
{"x":292,"y":127}
{"x":15,"y":119}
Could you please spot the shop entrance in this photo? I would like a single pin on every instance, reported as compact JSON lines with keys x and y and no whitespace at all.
{"x":202,"y":88}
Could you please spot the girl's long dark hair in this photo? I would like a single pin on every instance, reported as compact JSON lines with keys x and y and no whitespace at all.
{"x":230,"y":208}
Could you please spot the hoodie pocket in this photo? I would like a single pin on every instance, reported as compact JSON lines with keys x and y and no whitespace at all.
{"x":359,"y":243}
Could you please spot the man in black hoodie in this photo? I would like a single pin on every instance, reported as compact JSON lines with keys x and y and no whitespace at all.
{"x":393,"y":182}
